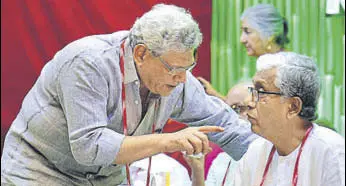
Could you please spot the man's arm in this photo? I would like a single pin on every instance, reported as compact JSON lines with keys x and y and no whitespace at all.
{"x":192,"y":140}
{"x":83,"y":92}
{"x":197,"y":170}
{"x":196,"y":108}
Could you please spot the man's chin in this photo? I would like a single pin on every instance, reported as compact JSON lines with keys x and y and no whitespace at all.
{"x":254,"y":128}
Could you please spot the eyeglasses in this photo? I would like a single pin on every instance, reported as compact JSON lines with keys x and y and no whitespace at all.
{"x":239,"y":108}
{"x":255,"y":93}
{"x":176,"y":70}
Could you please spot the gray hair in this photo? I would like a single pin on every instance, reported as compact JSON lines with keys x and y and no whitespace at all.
{"x":297,"y":76}
{"x":266,"y":19}
{"x":164,"y":28}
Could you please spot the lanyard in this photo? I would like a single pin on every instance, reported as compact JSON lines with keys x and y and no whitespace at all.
{"x":295,"y":173}
{"x":122,"y":64}
{"x":224,"y":178}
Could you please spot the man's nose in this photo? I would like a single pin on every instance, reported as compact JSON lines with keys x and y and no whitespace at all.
{"x":249,"y":102}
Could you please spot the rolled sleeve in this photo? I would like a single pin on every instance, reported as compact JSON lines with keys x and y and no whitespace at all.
{"x":83,"y":93}
{"x":110,"y":143}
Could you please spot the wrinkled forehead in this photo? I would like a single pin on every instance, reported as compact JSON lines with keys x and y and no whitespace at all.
{"x":265,"y":79}
{"x":179,"y":58}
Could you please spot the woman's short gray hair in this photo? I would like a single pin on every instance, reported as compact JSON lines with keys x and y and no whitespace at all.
{"x":266,"y":19}
{"x":166,"y":27}
{"x":297,"y":76}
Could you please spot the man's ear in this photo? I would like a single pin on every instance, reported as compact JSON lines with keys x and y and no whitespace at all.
{"x":295,"y":106}
{"x":139,"y":54}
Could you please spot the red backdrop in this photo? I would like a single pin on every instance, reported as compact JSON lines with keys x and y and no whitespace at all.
{"x":32,"y":31}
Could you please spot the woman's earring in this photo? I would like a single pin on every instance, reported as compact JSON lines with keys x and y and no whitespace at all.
{"x":269,"y":47}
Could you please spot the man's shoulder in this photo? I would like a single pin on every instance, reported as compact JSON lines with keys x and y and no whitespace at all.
{"x":110,"y":38}
{"x":323,"y":136}
{"x":91,"y":44}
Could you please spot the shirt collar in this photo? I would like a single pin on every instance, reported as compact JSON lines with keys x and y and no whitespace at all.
{"x":130,"y":69}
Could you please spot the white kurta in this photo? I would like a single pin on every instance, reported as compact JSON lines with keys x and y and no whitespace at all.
{"x":165,"y":171}
{"x":218,"y":170}
{"x":322,"y":162}
{"x":219,"y":166}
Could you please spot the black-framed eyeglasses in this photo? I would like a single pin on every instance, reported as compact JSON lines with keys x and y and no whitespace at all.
{"x":255,"y":93}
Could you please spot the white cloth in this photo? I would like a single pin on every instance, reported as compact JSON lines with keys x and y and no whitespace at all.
{"x":218,"y":169}
{"x":165,"y":171}
{"x":322,"y":162}
{"x":333,"y":6}
{"x":219,"y":166}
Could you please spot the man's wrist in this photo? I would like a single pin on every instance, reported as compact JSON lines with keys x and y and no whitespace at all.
{"x":164,"y":142}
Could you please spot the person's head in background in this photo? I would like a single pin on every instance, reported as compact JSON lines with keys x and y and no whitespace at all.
{"x":264,"y":30}
{"x":236,"y":97}
{"x":285,"y":94}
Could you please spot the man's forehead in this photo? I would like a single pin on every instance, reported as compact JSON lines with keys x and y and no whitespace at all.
{"x":266,"y":76}
{"x":176,"y":58}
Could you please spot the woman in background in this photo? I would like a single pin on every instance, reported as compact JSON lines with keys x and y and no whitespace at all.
{"x":264,"y":31}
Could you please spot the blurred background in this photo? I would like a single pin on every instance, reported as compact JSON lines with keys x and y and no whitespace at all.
{"x":316,"y":29}
{"x":32,"y":31}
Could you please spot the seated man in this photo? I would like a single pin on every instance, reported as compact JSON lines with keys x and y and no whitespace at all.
{"x":293,"y":150}
{"x":236,"y":98}
{"x":214,"y":165}
{"x":219,"y":166}
{"x":221,"y":171}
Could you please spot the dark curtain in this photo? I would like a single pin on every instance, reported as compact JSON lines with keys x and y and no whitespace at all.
{"x":32,"y":31}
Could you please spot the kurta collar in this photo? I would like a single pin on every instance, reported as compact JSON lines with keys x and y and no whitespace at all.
{"x":130,"y":69}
